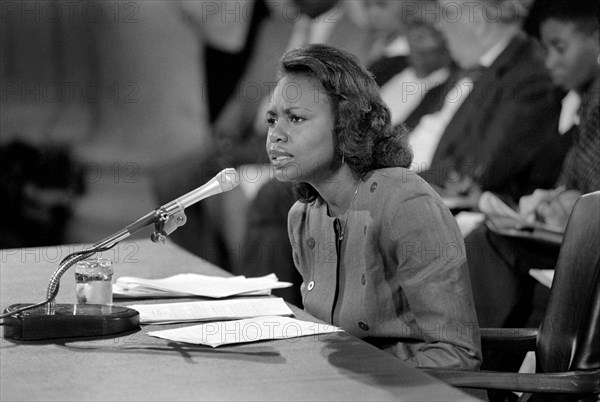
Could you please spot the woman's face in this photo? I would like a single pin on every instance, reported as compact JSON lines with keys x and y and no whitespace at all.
{"x":384,"y":16}
{"x":427,"y":48}
{"x":570,"y":54}
{"x":300,"y":137}
{"x":462,"y":31}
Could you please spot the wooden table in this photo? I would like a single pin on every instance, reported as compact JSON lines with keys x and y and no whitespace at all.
{"x":139,"y":367}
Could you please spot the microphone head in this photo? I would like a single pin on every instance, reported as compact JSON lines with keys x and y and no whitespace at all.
{"x":228,"y":178}
{"x":225,"y":180}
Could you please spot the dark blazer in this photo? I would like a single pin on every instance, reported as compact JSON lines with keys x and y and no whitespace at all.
{"x":433,"y":101}
{"x":504,"y":134}
{"x":385,"y":68}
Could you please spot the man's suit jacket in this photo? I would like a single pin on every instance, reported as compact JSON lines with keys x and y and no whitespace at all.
{"x":504,"y":135}
{"x":433,"y":100}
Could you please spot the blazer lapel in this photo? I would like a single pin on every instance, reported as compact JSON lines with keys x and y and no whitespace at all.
{"x":478,"y":104}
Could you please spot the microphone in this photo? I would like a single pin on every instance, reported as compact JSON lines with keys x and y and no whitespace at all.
{"x":224,"y":181}
{"x":50,"y":320}
{"x":170,"y":216}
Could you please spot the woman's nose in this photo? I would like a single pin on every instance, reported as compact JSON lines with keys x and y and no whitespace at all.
{"x":277,"y":133}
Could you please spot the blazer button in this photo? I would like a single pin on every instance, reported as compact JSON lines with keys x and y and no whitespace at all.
{"x":310,"y":285}
{"x":363,"y":326}
{"x":373,"y":186}
{"x":310,"y":242}
{"x":363,"y":279}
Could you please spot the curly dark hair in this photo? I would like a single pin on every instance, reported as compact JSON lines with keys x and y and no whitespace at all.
{"x":362,"y":132}
{"x":583,"y":13}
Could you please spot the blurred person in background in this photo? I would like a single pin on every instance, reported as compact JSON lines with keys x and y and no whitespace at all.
{"x":419,"y":88}
{"x":505,"y":295}
{"x":227,"y":31}
{"x":497,"y":128}
{"x":387,"y":30}
{"x":499,"y":264}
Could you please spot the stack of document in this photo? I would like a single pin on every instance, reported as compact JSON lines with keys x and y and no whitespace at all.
{"x":211,"y":310}
{"x":543,"y":276}
{"x":243,"y":331}
{"x":189,"y":285}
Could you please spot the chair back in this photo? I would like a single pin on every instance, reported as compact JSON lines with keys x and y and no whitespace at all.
{"x":569,"y":336}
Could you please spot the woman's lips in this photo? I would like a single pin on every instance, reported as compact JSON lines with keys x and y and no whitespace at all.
{"x":279,"y":157}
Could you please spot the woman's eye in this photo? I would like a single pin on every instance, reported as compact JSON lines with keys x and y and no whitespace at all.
{"x":296,"y":119}
{"x":271,"y":121}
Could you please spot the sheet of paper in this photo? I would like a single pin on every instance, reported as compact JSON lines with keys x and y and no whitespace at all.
{"x":543,"y":276}
{"x":133,"y":291}
{"x":491,"y":205}
{"x":243,"y":331}
{"x":468,"y":221}
{"x":211,"y":310}
{"x":196,"y":285}
{"x":458,"y":202}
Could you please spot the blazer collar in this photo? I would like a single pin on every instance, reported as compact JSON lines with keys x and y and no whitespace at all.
{"x":510,"y":54}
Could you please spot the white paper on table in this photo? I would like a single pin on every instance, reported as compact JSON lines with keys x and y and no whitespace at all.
{"x":135,"y":291}
{"x":211,"y":310}
{"x":504,"y":217}
{"x":196,"y":285}
{"x":543,"y":276}
{"x":242,"y":331}
{"x":468,"y":221}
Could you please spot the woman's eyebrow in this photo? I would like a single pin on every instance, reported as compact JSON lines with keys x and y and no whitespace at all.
{"x":296,"y":108}
{"x":272,"y":109}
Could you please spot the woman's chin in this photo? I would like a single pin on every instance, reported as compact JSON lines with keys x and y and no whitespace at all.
{"x":281,"y":174}
{"x":287,"y":172}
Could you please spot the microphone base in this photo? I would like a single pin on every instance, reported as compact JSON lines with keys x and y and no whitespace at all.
{"x":69,"y":321}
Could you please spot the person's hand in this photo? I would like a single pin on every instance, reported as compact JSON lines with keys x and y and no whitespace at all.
{"x":528,"y":204}
{"x":556,"y":211}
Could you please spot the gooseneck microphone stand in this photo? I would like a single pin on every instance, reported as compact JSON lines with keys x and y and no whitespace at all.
{"x":34,"y":321}
{"x":166,"y":220}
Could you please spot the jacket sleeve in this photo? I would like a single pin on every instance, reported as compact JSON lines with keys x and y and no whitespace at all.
{"x":433,"y":275}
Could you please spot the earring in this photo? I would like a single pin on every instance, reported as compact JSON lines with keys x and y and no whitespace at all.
{"x":343,"y":158}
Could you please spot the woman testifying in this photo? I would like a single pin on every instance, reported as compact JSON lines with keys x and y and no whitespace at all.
{"x":379,"y":253}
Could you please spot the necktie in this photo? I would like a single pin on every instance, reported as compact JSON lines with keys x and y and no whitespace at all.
{"x":472,"y":73}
